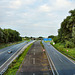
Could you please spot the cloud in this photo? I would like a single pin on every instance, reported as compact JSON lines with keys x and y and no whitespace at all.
{"x":62,"y":5}
{"x":44,"y":8}
{"x":29,"y":2}
{"x":15,"y":4}
{"x":34,"y":17}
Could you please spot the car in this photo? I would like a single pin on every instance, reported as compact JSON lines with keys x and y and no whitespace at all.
{"x":9,"y":51}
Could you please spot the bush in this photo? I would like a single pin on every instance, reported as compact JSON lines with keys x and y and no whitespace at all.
{"x":69,"y":44}
{"x":56,"y":39}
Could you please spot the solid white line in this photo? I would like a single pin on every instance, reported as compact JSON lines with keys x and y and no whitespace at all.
{"x":10,"y":57}
{"x":33,"y":60}
{"x":6,"y":50}
{"x":64,"y":55}
{"x":12,"y":48}
{"x":15,"y":56}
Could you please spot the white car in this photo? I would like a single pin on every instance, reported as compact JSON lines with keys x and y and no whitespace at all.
{"x":9,"y":51}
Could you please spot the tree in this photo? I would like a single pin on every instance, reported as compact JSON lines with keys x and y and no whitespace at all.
{"x":1,"y":36}
{"x":73,"y":34}
{"x":9,"y":35}
{"x":6,"y":35}
{"x":51,"y":36}
{"x":66,"y":31}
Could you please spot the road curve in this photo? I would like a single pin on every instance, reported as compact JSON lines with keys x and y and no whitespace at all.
{"x":4,"y":56}
{"x":62,"y":64}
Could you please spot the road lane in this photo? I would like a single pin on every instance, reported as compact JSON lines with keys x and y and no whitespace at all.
{"x":4,"y":56}
{"x":10,"y":47}
{"x":35,"y":64}
{"x":63,"y":65}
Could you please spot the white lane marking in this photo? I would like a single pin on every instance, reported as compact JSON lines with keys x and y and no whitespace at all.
{"x":60,"y":60}
{"x":34,"y":53}
{"x":33,"y":60}
{"x":10,"y":57}
{"x":14,"y":54}
{"x":12,"y":48}
{"x":33,"y":73}
{"x":64,"y":55}
{"x":6,"y":50}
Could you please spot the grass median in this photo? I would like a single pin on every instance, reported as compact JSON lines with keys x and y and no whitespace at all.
{"x":14,"y":66}
{"x":42,"y":44}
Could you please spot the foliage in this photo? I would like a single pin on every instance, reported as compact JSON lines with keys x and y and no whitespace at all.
{"x":51,"y":36}
{"x":42,"y":44}
{"x":27,"y":38}
{"x":40,"y":38}
{"x":56,"y":39}
{"x":9,"y":35}
{"x":67,"y":30}
{"x":14,"y":66}
{"x":73,"y":35}
{"x":3,"y":45}
{"x":69,"y":44}
{"x":70,"y":53}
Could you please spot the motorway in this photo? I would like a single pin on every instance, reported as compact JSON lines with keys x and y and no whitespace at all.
{"x":4,"y":56}
{"x":63,"y":65}
{"x":35,"y":62}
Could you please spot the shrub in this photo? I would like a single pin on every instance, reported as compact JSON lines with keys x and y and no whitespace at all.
{"x":56,"y":39}
{"x":69,"y":44}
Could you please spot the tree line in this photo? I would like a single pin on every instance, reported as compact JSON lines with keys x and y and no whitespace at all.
{"x":9,"y":35}
{"x":66,"y":33}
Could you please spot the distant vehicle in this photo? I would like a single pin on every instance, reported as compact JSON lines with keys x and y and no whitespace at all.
{"x":9,"y":51}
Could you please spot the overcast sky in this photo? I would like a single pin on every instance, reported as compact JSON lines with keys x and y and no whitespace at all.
{"x":34,"y":17}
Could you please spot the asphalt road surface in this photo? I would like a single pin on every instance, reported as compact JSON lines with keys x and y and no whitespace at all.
{"x":62,"y":64}
{"x":4,"y":56}
{"x":35,"y":62}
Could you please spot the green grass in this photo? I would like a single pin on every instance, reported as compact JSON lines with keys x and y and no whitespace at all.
{"x":14,"y":66}
{"x":42,"y":44}
{"x":71,"y":51}
{"x":3,"y":45}
{"x":46,"y":41}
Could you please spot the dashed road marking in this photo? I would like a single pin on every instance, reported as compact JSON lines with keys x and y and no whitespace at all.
{"x":60,"y":60}
{"x":34,"y":50}
{"x":33,"y":60}
{"x":34,"y":53}
{"x":33,"y":73}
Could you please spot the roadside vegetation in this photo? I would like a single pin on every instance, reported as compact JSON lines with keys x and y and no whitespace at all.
{"x":42,"y":44}
{"x":14,"y":66}
{"x":3,"y":45}
{"x":70,"y":52}
{"x":9,"y":35}
{"x":65,"y":40}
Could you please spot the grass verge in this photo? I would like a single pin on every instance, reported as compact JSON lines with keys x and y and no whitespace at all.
{"x":42,"y":45}
{"x":3,"y":45}
{"x":14,"y":66}
{"x":70,"y":53}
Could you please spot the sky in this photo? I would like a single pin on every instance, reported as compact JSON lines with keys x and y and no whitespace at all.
{"x":34,"y":17}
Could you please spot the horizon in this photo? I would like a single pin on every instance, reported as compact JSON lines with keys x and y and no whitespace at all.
{"x":34,"y":18}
